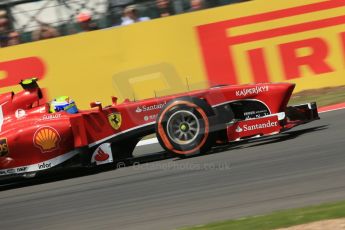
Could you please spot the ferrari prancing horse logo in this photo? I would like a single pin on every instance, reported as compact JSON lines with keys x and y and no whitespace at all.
{"x":115,"y":120}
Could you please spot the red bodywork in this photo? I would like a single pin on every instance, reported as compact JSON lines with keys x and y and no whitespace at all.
{"x":33,"y":139}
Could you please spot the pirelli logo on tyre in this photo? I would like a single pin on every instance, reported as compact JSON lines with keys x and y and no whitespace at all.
{"x":300,"y":41}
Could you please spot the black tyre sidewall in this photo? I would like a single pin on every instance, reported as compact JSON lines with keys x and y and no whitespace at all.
{"x":185,"y":104}
{"x":199,"y":137}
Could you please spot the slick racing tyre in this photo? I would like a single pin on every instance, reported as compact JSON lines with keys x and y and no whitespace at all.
{"x":184,"y":126}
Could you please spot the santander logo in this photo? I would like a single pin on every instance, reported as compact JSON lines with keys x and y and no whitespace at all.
{"x":245,"y":128}
{"x":101,"y":155}
{"x":239,"y":129}
{"x":145,"y":108}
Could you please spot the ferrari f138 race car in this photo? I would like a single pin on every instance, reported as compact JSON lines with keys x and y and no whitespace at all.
{"x":38,"y":136}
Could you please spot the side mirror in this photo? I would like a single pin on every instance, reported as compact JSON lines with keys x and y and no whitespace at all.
{"x":47,"y":107}
{"x":96,"y":104}
{"x":30,"y":83}
{"x":114,"y":100}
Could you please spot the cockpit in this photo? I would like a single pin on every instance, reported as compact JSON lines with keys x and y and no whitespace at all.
{"x":63,"y":103}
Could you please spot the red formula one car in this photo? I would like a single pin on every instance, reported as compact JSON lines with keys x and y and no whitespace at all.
{"x":33,"y":137}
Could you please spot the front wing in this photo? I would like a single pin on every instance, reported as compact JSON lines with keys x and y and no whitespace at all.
{"x":272,"y":124}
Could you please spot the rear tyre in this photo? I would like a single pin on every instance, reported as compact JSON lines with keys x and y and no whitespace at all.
{"x":184,"y":127}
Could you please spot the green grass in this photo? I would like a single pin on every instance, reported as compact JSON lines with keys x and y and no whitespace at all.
{"x":323,"y":97}
{"x":280,"y":219}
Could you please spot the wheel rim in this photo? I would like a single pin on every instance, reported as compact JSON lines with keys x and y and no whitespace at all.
{"x":183,"y":127}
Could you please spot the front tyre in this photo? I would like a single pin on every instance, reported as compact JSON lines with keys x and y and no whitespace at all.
{"x":184,"y":126}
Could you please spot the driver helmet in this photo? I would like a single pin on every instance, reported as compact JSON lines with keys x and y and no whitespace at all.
{"x":63,"y":103}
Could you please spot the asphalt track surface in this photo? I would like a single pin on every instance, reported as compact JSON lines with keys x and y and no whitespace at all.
{"x":302,"y":167}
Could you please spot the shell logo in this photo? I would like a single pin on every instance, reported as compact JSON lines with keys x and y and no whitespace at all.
{"x":47,"y":139}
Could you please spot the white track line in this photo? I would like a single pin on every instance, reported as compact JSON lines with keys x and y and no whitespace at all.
{"x":331,"y":110}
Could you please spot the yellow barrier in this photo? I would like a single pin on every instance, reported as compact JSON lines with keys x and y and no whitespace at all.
{"x":296,"y":41}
